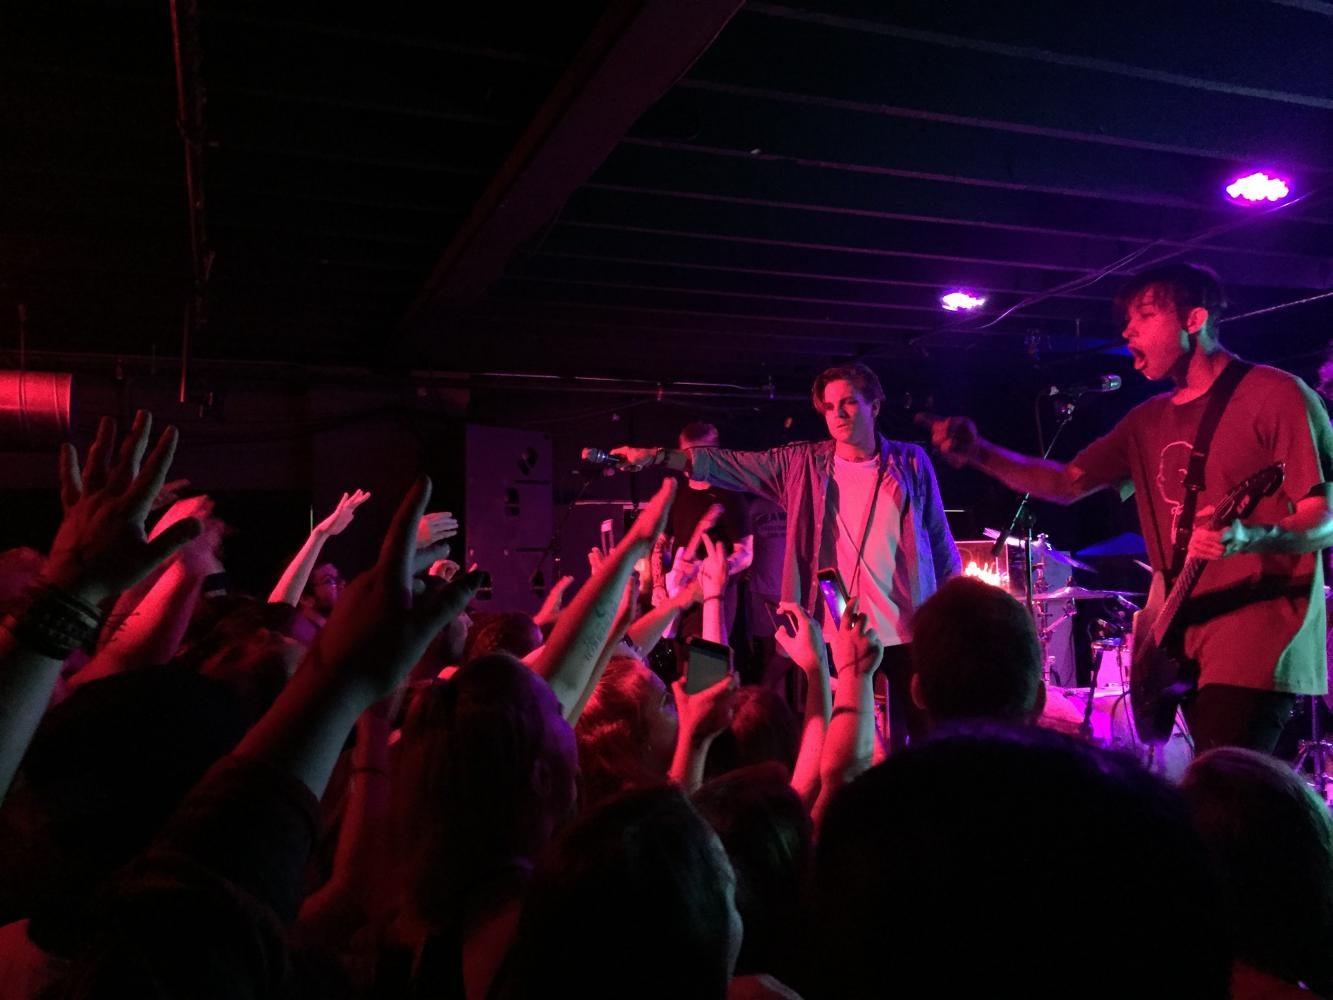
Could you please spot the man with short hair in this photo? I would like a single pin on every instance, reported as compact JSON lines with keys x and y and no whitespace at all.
{"x":859,"y":502}
{"x":1254,"y":624}
{"x":975,"y":656}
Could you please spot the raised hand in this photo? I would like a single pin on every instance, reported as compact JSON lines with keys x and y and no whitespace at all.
{"x":856,"y":647}
{"x":806,"y":648}
{"x":342,"y":514}
{"x":435,"y":528}
{"x":550,"y":609}
{"x":651,"y":521}
{"x":955,"y":438}
{"x":101,"y":547}
{"x":704,"y":714}
{"x":713,"y":569}
{"x":445,"y":569}
{"x":381,"y":627}
{"x":684,"y":571}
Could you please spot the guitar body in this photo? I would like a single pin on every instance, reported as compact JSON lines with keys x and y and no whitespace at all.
{"x":1160,"y":676}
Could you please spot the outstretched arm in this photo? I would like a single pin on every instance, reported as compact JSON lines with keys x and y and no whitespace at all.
{"x":850,"y":745}
{"x":100,"y":549}
{"x":577,"y":642}
{"x":956,"y":439}
{"x":807,"y":651}
{"x":382,"y":626}
{"x":297,"y":574}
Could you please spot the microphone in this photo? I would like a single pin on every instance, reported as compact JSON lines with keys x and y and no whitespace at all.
{"x":595,"y":456}
{"x":1103,"y":383}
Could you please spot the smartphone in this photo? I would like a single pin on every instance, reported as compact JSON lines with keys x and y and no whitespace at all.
{"x":608,"y":536}
{"x":784,"y":620}
{"x":705,"y":664}
{"x":835,"y":594}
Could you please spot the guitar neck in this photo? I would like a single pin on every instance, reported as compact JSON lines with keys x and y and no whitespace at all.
{"x":1189,"y":576}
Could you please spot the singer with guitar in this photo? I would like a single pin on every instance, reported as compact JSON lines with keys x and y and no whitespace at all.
{"x":1228,"y":438}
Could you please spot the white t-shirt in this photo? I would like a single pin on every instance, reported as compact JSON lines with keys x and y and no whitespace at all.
{"x":882,"y":585}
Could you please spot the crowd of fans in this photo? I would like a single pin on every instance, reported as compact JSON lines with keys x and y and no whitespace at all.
{"x":379,"y":791}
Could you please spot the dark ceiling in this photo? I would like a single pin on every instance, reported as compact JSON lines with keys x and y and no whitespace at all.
{"x":537,"y":188}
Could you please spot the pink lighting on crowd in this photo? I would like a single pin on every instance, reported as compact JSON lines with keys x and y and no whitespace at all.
{"x":1257,"y":187}
{"x":962,"y":301}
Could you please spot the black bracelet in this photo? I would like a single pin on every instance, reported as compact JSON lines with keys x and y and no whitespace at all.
{"x":53,"y":623}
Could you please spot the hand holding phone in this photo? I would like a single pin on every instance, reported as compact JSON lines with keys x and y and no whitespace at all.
{"x":705,"y":663}
{"x":805,"y":642}
{"x":835,"y":594}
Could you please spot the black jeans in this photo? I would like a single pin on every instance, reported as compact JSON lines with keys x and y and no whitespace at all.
{"x":1223,"y":715}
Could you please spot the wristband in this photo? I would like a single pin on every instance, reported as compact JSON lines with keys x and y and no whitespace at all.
{"x":53,"y":623}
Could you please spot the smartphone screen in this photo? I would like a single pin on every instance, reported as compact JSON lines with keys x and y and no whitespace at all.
{"x":706,"y":663}
{"x":835,"y":594}
{"x":608,"y":536}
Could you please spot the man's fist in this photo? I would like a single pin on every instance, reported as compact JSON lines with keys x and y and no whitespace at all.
{"x":955,"y":438}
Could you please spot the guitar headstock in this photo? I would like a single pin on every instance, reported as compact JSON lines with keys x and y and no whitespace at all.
{"x":1242,"y":499}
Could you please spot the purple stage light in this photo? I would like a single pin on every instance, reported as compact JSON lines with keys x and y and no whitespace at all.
{"x":962,"y":301}
{"x":1258,"y":187}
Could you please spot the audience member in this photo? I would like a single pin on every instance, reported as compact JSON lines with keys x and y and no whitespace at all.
{"x":994,"y":861}
{"x":637,"y":899}
{"x":975,"y":656}
{"x":1272,"y":841}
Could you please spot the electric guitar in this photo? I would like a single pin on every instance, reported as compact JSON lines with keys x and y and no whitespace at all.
{"x":1160,"y":676}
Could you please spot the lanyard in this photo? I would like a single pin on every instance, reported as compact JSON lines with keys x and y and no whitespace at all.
{"x":882,"y":467}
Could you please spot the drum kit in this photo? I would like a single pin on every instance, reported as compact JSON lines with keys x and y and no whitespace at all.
{"x":1100,"y":710}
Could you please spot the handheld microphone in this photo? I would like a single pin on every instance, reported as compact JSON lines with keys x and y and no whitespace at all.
{"x":1103,"y":383}
{"x":595,"y":456}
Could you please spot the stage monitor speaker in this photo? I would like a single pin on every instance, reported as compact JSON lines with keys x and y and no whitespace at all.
{"x":508,"y":512}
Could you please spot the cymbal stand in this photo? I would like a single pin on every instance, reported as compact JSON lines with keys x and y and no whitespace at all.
{"x":1316,"y":749}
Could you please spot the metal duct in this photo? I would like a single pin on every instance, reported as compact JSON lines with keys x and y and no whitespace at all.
{"x":34,"y":408}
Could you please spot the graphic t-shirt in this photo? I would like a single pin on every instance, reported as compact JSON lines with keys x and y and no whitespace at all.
{"x":1251,"y":620}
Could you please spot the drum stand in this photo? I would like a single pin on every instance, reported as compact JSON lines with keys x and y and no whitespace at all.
{"x":1316,"y":749}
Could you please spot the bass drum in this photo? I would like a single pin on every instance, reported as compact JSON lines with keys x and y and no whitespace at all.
{"x":1113,"y":726}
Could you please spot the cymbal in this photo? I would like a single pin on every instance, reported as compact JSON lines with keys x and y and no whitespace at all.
{"x":1076,"y":593}
{"x":1042,"y":544}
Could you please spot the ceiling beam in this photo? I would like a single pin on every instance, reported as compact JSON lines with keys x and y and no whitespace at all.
{"x":631,"y":58}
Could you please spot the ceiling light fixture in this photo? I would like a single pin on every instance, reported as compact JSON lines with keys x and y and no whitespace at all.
{"x":1258,"y":187}
{"x":961,"y":300}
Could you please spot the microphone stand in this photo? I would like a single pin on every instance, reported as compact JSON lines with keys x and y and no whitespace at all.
{"x":1023,"y":516}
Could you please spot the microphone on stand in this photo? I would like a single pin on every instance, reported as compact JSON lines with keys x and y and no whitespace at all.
{"x":1103,"y":383}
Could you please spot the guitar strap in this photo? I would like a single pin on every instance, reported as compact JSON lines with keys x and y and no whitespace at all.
{"x":1219,"y":395}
